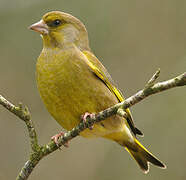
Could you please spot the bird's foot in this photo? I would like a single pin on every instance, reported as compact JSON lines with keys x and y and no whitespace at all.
{"x":56,"y":137}
{"x":84,"y":118}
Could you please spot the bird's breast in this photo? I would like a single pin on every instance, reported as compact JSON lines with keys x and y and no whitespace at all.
{"x":69,"y":89}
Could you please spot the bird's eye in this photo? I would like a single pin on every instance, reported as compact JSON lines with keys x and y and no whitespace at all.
{"x":56,"y":22}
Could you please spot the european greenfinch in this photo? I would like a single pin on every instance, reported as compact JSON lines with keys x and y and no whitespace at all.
{"x":72,"y":82}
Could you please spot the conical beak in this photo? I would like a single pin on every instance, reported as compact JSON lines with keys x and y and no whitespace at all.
{"x":40,"y":27}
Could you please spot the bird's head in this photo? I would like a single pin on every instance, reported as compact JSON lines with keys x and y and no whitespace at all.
{"x":59,"y":29}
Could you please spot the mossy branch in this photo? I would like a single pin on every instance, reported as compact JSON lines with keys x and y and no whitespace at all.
{"x":38,"y":152}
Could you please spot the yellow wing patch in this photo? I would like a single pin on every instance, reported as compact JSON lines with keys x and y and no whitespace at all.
{"x":101,"y":72}
{"x":105,"y":80}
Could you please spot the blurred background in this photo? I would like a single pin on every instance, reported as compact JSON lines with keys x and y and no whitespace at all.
{"x":132,"y":39}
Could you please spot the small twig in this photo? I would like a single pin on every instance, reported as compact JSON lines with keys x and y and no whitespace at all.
{"x":38,"y":152}
{"x":122,"y":113}
{"x":153,"y":79}
{"x":15,"y":110}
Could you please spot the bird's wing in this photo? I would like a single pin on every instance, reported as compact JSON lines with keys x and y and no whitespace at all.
{"x":100,"y":71}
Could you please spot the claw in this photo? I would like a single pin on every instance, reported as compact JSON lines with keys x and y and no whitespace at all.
{"x":84,"y":118}
{"x":56,"y":137}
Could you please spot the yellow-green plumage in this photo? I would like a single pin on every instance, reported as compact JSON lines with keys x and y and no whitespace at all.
{"x":72,"y":81}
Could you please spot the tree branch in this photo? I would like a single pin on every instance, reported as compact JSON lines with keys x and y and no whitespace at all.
{"x":38,"y":152}
{"x":23,"y":114}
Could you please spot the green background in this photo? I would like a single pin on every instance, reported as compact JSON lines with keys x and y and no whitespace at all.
{"x":133,"y":39}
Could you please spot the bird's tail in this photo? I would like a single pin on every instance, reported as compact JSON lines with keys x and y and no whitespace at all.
{"x":143,"y":157}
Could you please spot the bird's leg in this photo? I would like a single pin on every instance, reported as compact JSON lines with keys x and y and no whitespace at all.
{"x":56,"y":137}
{"x":84,"y":118}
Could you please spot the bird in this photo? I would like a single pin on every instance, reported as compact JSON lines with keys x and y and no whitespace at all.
{"x":74,"y":84}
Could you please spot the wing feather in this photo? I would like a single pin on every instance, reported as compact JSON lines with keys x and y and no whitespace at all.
{"x":100,"y":71}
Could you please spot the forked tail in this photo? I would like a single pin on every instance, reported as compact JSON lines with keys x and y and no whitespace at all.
{"x":143,"y":157}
